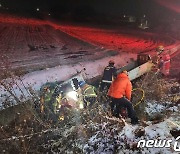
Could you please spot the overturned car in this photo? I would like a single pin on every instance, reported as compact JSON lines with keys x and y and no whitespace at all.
{"x":74,"y":93}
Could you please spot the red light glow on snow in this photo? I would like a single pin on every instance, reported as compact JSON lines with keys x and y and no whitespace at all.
{"x":111,"y":39}
{"x":119,"y":40}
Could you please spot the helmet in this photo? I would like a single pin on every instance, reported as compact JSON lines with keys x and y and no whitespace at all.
{"x":45,"y":88}
{"x":160,"y":49}
{"x":125,"y":71}
{"x":82,"y":83}
{"x":111,"y":62}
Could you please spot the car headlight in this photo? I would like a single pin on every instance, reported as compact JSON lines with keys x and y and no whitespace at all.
{"x":81,"y":106}
{"x":73,"y":95}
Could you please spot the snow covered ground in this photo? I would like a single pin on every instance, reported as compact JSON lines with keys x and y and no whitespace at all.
{"x":126,"y":139}
{"x":127,"y":136}
{"x":106,"y":135}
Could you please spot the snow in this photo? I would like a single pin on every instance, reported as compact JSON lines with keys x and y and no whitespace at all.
{"x":174,"y":109}
{"x":104,"y":139}
{"x":128,"y":131}
{"x":127,"y":136}
{"x":119,"y":38}
{"x":160,"y":131}
{"x":125,"y":139}
{"x":154,"y":107}
{"x":60,"y":73}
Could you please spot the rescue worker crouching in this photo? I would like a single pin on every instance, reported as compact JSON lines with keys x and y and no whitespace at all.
{"x":108,"y":76}
{"x":120,"y":94}
{"x":88,"y":94}
{"x":47,"y":104}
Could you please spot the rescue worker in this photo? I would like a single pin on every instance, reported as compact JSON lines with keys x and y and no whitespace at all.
{"x":45,"y":98}
{"x":58,"y":102}
{"x":160,"y":49}
{"x":88,"y":93}
{"x":108,"y":76}
{"x":164,"y":64}
{"x":48,"y":104}
{"x":120,"y":94}
{"x":156,"y":59}
{"x":80,"y":102}
{"x":62,"y":106}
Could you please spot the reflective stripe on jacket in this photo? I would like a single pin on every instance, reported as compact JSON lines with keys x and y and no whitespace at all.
{"x":89,"y":91}
{"x":109,"y":73}
{"x":106,"y":81}
{"x":120,"y":87}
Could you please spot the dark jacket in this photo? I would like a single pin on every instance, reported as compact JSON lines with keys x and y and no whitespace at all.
{"x":109,"y":73}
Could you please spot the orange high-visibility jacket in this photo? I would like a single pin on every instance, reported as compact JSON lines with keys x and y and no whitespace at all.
{"x":120,"y":87}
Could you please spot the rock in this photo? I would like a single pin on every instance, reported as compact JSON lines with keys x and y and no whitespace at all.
{"x":52,"y":46}
{"x":175,"y":133}
{"x":64,"y":47}
{"x":158,"y":117}
{"x":32,"y":48}
{"x":175,"y":89}
{"x":139,"y":132}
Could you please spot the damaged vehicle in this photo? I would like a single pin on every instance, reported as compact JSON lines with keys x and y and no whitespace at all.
{"x":56,"y":97}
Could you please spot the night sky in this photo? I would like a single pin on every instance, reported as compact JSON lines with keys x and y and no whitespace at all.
{"x":83,"y":9}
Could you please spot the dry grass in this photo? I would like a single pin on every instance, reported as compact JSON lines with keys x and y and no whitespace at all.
{"x":156,"y":87}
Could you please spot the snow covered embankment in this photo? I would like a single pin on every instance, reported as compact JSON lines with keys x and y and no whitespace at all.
{"x":126,"y":140}
{"x":109,"y":135}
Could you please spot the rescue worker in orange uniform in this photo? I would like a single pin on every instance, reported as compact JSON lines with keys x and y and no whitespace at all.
{"x":120,"y":94}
